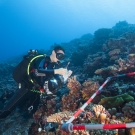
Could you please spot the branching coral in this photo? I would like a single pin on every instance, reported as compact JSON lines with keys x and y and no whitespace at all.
{"x":73,"y":85}
{"x":103,"y":132}
{"x":126,"y":119}
{"x":89,"y":87}
{"x":129,"y":110}
{"x":101,"y":113}
{"x":98,"y":109}
{"x":80,"y":132}
{"x":69,"y":103}
{"x":112,"y":111}
{"x":127,"y":64}
{"x":59,"y":117}
{"x":72,"y":101}
{"x":44,"y":111}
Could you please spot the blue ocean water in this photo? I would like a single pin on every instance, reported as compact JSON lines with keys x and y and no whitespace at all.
{"x":38,"y":24}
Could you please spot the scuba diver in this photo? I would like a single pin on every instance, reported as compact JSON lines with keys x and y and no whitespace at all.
{"x":37,"y":74}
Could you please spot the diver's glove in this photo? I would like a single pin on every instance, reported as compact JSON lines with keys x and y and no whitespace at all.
{"x":67,"y":75}
{"x":60,"y":71}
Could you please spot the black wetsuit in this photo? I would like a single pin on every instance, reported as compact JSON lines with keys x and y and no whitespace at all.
{"x":44,"y":67}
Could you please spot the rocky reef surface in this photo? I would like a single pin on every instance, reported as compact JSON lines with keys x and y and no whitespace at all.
{"x":93,"y":58}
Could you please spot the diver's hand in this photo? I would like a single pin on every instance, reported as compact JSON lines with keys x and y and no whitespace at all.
{"x":69,"y":73}
{"x":60,"y":71}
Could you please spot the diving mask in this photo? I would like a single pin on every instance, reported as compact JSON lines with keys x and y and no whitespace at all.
{"x":60,"y":56}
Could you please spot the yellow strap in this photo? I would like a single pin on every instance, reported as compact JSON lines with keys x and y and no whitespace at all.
{"x":28,"y":68}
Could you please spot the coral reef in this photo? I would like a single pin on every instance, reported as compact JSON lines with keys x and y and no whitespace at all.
{"x":110,"y":52}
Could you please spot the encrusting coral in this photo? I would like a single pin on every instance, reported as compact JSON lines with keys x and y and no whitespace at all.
{"x":115,"y":101}
{"x":108,"y":70}
{"x":114,"y":52}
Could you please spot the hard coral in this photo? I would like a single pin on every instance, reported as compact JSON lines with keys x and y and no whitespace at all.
{"x":72,"y":101}
{"x":127,"y":64}
{"x":80,"y":132}
{"x":98,"y":109}
{"x":103,"y":132}
{"x":108,"y":70}
{"x":114,"y":52}
{"x":129,"y":110}
{"x":69,"y":103}
{"x":73,"y":85}
{"x":101,"y":113}
{"x":59,"y":117}
{"x":89,"y":88}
